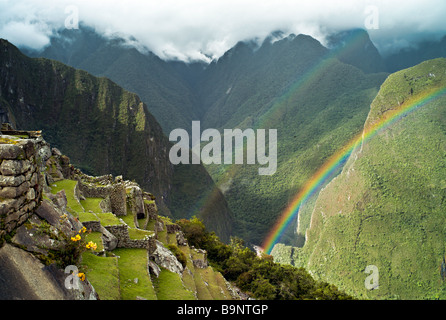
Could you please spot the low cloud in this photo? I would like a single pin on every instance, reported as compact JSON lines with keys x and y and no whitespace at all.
{"x":205,"y":29}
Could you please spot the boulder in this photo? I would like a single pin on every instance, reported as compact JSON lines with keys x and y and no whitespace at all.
{"x":181,"y":240}
{"x":109,"y":241}
{"x":154,"y":269}
{"x":24,"y":277}
{"x":163,"y":257}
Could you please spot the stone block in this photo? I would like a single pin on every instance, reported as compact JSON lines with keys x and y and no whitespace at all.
{"x":34,"y":179}
{"x":28,"y":147}
{"x":31,"y":194}
{"x":11,"y":151}
{"x":14,"y":192}
{"x":14,"y":167}
{"x":6,"y":206}
{"x":11,"y":181}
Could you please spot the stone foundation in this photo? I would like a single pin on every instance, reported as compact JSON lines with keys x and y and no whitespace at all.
{"x":20,"y":181}
{"x":122,"y":235}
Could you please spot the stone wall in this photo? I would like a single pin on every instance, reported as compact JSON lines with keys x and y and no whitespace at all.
{"x":114,"y":193}
{"x":124,"y":241}
{"x":20,"y":180}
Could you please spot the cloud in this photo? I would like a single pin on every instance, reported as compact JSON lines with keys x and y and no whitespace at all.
{"x":198,"y":29}
{"x":25,"y":35}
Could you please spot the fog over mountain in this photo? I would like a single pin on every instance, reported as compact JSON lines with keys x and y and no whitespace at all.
{"x":203,"y":30}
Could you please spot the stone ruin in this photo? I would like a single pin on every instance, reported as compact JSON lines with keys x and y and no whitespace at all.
{"x":28,"y":167}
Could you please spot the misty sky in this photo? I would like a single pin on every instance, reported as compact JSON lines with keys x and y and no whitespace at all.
{"x":199,"y":29}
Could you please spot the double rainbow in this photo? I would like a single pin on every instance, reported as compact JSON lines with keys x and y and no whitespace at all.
{"x":339,"y":158}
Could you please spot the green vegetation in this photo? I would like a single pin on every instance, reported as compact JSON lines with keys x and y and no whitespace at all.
{"x":103,"y":273}
{"x":95,"y":237}
{"x":133,"y":275}
{"x":387,"y":206}
{"x":168,"y":286}
{"x":181,"y":257}
{"x":136,"y":233}
{"x":109,"y":219}
{"x":261,"y":277}
{"x":92,"y":204}
{"x":316,"y":103}
{"x":73,"y":205}
{"x":122,"y":274}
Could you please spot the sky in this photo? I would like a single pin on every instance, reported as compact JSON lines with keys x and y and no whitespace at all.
{"x":205,"y":29}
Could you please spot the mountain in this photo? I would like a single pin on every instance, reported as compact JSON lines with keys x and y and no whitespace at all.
{"x":103,"y":129}
{"x":316,"y":97}
{"x":355,"y":47}
{"x":299,"y":87}
{"x":411,"y":56}
{"x":157,"y":83}
{"x":386,"y":208}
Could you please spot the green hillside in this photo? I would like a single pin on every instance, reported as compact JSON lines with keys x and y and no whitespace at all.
{"x":157,"y":83}
{"x":315,"y":102}
{"x":387,"y":206}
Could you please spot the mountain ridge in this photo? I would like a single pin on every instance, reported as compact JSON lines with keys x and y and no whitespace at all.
{"x":102,"y":127}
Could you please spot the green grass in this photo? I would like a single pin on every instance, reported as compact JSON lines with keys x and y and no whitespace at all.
{"x":151,"y":225}
{"x":129,"y":220}
{"x":95,"y":237}
{"x":162,"y":236}
{"x":132,"y":265}
{"x":103,"y":274}
{"x":214,"y":288}
{"x":203,"y":292}
{"x":72,"y":203}
{"x":108,"y":219}
{"x":137,"y":234}
{"x":168,"y":286}
{"x":92,"y":204}
{"x":87,"y":216}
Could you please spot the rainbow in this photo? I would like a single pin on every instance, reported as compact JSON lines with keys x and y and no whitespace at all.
{"x":339,"y":158}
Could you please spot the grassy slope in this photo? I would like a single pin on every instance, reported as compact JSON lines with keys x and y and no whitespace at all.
{"x":387,"y":206}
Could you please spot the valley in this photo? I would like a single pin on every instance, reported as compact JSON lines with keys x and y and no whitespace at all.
{"x":116,"y":109}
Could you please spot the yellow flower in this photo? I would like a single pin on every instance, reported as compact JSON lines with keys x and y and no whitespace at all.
{"x":76,"y":238}
{"x":91,"y":245}
{"x":81,"y":276}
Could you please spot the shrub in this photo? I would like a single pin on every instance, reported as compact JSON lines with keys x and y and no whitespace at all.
{"x":178,"y":254}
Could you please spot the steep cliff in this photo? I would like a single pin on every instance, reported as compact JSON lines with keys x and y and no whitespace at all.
{"x":386,"y":209}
